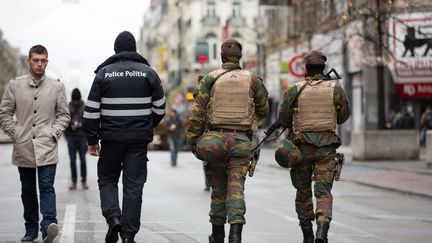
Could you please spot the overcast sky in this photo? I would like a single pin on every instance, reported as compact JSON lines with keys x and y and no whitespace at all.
{"x":79,"y":34}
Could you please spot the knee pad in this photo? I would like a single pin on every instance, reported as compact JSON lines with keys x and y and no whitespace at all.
{"x":287,"y":154}
{"x":211,"y":147}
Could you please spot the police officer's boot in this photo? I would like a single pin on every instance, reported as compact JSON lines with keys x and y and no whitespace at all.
{"x":235,"y":233}
{"x":114,"y":227}
{"x":218,"y":234}
{"x":321,"y":233}
{"x":308,"y":234}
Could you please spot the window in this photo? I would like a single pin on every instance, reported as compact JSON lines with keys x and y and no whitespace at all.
{"x":211,"y":9}
{"x":212,"y":42}
{"x":236,"y":9}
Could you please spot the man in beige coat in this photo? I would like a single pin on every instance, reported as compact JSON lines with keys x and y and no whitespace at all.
{"x":42,"y":114}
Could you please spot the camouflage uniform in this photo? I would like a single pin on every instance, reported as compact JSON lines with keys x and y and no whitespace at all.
{"x":226,"y":153}
{"x":319,"y":150}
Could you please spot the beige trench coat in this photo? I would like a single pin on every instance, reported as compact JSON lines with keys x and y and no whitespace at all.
{"x":42,"y":114}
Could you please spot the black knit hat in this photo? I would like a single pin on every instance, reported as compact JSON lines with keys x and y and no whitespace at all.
{"x":125,"y":41}
{"x":76,"y":94}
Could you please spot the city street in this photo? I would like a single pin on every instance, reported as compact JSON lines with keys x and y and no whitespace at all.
{"x":175,"y":206}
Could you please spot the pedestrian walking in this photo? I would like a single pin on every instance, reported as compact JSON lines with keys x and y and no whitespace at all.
{"x":40,"y":106}
{"x":125,"y":103}
{"x":175,"y":132}
{"x":404,"y":119}
{"x":77,"y":140}
{"x":425,"y":124}
{"x":311,"y":119}
{"x":229,"y":103}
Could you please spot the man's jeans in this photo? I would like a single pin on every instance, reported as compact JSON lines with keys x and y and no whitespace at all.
{"x":77,"y":143}
{"x":175,"y":144}
{"x":45,"y":176}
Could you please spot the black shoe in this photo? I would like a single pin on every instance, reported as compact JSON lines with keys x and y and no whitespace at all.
{"x":129,"y":240}
{"x":308,"y":234}
{"x":30,"y":235}
{"x":114,"y":227}
{"x":321,"y":233}
{"x":218,"y":234}
{"x":235,"y":233}
{"x":51,"y":233}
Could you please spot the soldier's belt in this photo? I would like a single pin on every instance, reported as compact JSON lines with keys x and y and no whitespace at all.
{"x":225,"y":130}
{"x":248,"y":133}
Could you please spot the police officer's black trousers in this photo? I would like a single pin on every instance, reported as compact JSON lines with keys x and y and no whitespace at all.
{"x":132,"y":159}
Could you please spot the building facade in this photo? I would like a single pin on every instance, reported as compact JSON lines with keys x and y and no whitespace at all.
{"x":12,"y":64}
{"x":182,"y":38}
{"x":367,"y":42}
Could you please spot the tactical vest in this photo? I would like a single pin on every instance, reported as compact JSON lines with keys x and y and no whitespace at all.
{"x":315,"y":111}
{"x":231,"y":103}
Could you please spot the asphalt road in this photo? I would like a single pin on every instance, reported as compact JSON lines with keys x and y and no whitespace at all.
{"x":175,"y":206}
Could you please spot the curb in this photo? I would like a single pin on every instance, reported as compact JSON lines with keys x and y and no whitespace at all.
{"x":388,"y":188}
{"x":382,"y":167}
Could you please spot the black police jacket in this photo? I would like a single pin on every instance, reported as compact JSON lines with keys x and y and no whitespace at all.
{"x":126,"y":101}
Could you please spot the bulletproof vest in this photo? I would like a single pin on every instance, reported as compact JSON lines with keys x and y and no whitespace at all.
{"x":231,"y":103}
{"x":315,"y":111}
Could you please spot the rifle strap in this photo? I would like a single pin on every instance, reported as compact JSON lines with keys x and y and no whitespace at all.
{"x":295,"y":102}
{"x":220,"y":75}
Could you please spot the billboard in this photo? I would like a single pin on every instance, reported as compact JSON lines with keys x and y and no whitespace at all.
{"x":411,"y":46}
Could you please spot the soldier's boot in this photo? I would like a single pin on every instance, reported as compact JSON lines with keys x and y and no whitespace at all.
{"x":235,"y":233}
{"x":218,"y":234}
{"x":321,"y":233}
{"x":308,"y":234}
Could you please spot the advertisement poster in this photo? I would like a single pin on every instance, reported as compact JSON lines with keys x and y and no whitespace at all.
{"x":411,"y":46}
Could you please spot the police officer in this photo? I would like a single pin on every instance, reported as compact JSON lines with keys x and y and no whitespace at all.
{"x":228,"y":105}
{"x":125,"y":103}
{"x":320,"y":105}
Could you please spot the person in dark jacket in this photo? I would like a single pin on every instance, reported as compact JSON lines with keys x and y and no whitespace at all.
{"x":125,"y":103}
{"x":76,"y":139}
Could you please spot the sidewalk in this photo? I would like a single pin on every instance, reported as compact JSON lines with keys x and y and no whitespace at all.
{"x":413,"y":177}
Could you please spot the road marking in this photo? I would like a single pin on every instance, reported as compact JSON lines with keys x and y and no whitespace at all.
{"x":68,"y":230}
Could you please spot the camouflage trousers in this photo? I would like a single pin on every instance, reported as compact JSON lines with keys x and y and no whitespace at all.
{"x":317,"y":165}
{"x":227,"y":157}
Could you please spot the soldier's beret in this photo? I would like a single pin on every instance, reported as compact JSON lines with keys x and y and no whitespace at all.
{"x":315,"y":58}
{"x":231,"y":48}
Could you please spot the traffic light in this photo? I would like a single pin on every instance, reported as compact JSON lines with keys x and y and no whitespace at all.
{"x":201,"y":51}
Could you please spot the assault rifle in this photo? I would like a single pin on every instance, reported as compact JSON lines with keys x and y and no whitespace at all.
{"x":329,"y":77}
{"x":255,"y":153}
{"x":340,"y":160}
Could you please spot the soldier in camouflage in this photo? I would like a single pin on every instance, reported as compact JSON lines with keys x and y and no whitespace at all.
{"x":312,"y":124}
{"x":228,"y":105}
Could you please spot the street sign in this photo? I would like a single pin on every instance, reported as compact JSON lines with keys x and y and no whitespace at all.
{"x":296,"y":66}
